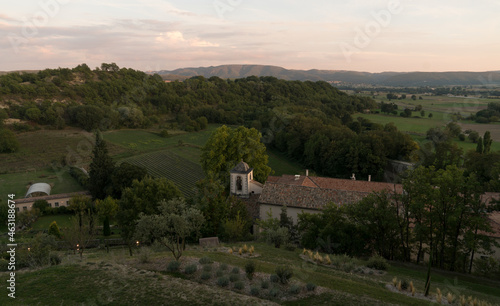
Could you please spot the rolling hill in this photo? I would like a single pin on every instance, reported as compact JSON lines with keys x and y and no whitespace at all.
{"x":339,"y":76}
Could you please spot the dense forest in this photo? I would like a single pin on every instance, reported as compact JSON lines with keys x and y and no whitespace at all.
{"x":308,"y":121}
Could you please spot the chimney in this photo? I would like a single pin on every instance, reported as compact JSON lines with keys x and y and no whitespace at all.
{"x":353,"y":177}
{"x":369,"y":178}
{"x":307,"y":172}
{"x":297,"y":177}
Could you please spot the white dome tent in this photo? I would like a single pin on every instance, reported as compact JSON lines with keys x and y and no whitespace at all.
{"x":38,"y":189}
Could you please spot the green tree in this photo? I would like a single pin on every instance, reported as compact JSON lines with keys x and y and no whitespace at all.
{"x":124,"y":175}
{"x":453,"y":129}
{"x":80,"y":233}
{"x":54,"y":230}
{"x":487,"y":141}
{"x":41,"y":205}
{"x":106,"y":209}
{"x":473,"y":136}
{"x":8,"y":141}
{"x":226,"y":147}
{"x":101,"y":169}
{"x":376,"y":216}
{"x":142,"y":197}
{"x":33,"y":114}
{"x":80,"y":205}
{"x":211,"y":200}
{"x":479,"y":147}
{"x":174,"y":223}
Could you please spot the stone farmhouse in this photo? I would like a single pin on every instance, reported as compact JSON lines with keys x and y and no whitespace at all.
{"x":55,"y":200}
{"x":310,"y":194}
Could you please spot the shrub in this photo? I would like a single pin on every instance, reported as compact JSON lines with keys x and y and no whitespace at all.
{"x":404,"y":284}
{"x":239,"y":285}
{"x":348,"y":267}
{"x":284,"y":274}
{"x":42,"y":205}
{"x":274,"y":278}
{"x":250,"y":269}
{"x":294,"y":289}
{"x":254,"y":291}
{"x":223,"y":267}
{"x":310,"y":287}
{"x":235,"y":270}
{"x":54,"y":229}
{"x":206,"y":275}
{"x":173,"y":266}
{"x":378,"y":263}
{"x":164,"y":133}
{"x":264,"y":284}
{"x":145,"y":255}
{"x":223,"y":281}
{"x":191,"y":269}
{"x":219,"y":273}
{"x":207,"y":268}
{"x":80,"y":176}
{"x":290,"y":247}
{"x":234,"y":277}
{"x":274,"y":293}
{"x":206,"y":260}
{"x":55,"y":259}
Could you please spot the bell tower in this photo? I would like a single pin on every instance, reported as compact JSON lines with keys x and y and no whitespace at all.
{"x":241,"y":176}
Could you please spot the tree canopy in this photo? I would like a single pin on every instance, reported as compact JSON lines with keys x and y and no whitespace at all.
{"x":101,"y":169}
{"x":171,"y":226}
{"x":227,"y":146}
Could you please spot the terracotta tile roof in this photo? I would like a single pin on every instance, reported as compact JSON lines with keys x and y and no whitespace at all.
{"x":355,"y":185}
{"x":494,"y":218}
{"x":306,"y":197}
{"x":51,"y":197}
{"x":273,"y":179}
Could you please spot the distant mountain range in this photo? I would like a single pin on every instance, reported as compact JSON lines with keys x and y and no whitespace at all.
{"x":409,"y":79}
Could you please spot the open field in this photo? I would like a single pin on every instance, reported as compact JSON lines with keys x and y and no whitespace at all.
{"x":18,"y":183}
{"x":117,"y":279}
{"x":409,"y":125}
{"x":441,"y":104}
{"x":44,"y":155}
{"x":150,"y":140}
{"x":47,"y":148}
{"x":282,"y":165}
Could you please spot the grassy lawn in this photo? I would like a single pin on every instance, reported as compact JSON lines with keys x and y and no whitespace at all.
{"x":150,"y":140}
{"x":114,"y":278}
{"x":282,"y":165}
{"x":18,"y":183}
{"x":415,"y":125}
{"x":44,"y":221}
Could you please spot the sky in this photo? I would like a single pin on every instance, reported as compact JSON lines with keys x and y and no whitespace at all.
{"x":152,"y":35}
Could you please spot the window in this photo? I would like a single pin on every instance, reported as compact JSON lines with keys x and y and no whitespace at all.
{"x":50,"y":204}
{"x":67,"y":203}
{"x":56,"y":204}
{"x":17,"y":209}
{"x":25,"y":208}
{"x":239,"y":185}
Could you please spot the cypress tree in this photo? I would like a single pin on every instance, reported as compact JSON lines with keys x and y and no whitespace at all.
{"x":487,"y":142}
{"x":479,"y":148}
{"x":101,"y":170}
